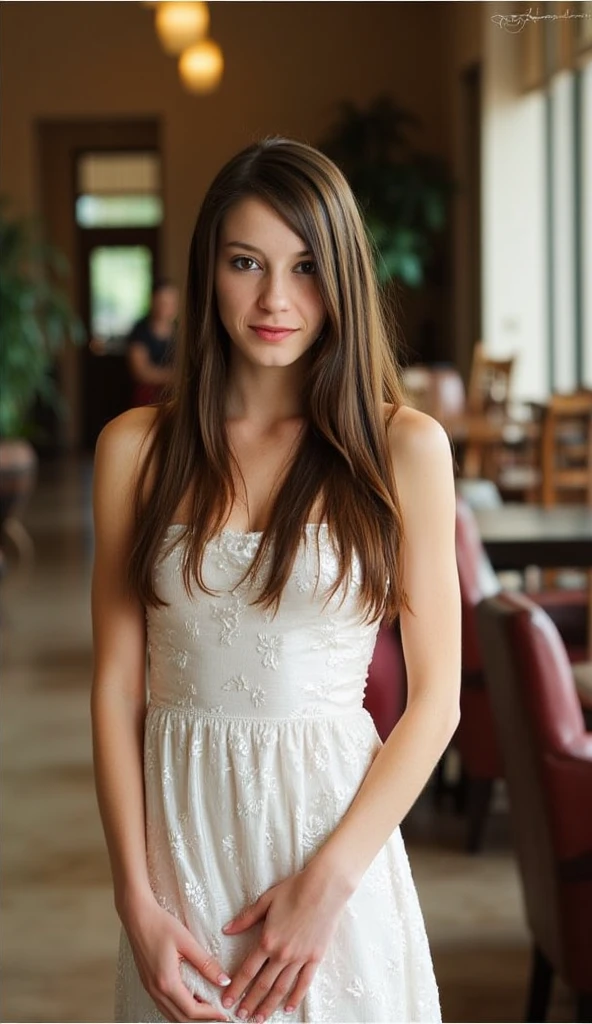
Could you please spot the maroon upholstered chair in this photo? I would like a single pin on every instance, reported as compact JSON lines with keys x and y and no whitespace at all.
{"x":475,"y":738}
{"x":547,"y":756}
{"x":386,"y":688}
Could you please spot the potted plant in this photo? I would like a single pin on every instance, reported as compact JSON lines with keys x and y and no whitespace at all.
{"x":36,"y":322}
{"x":404,"y":193}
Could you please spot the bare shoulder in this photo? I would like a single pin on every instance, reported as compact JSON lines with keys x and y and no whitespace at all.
{"x":120,"y":451}
{"x":414,"y":435}
{"x":423,"y":467}
{"x":128,"y":433}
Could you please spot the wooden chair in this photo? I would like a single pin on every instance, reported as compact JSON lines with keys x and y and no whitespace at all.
{"x":436,"y":390}
{"x":566,"y":461}
{"x":566,"y":457}
{"x":489,"y":381}
{"x":511,"y":464}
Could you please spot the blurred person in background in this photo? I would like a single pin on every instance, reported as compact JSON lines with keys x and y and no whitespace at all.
{"x":150,"y":345}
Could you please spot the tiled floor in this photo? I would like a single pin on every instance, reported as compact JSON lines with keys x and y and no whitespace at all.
{"x":59,"y":930}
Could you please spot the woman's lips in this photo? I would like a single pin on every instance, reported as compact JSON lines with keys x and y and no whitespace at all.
{"x":273,"y":333}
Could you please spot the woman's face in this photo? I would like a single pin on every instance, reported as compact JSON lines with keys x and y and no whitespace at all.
{"x":266,"y":286}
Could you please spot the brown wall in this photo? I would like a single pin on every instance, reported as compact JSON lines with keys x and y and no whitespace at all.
{"x":287,"y":66}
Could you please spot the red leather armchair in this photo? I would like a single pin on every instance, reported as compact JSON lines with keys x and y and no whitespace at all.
{"x":386,"y":688}
{"x":475,"y":737}
{"x":547,"y":756}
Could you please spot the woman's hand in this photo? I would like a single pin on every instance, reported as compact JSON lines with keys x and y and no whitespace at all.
{"x":160,"y":943}
{"x":301,"y":915}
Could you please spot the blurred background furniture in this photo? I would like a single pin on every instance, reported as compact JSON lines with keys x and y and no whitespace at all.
{"x":489,"y":382}
{"x":386,"y":686}
{"x":547,"y":757}
{"x":503,"y":437}
{"x":475,"y":738}
{"x":519,"y":536}
{"x":436,"y":390}
{"x":567,"y":449}
{"x":493,"y":438}
{"x":566,"y":463}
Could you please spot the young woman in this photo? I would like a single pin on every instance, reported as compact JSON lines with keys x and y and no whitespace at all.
{"x":251,"y":533}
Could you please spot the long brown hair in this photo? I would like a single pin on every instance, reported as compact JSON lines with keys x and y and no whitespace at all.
{"x":343,"y":456}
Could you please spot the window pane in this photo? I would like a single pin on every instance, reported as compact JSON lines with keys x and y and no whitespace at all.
{"x":118,"y":211}
{"x":120,"y":283}
{"x":118,"y":173}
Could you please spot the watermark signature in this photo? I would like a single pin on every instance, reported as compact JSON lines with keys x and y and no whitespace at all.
{"x":516,"y":22}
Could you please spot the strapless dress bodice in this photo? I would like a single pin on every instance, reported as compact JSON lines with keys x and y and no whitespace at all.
{"x":222,"y":655}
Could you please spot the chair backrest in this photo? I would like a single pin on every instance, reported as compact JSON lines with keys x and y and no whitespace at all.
{"x":566,"y":459}
{"x":436,"y":390}
{"x":489,"y":381}
{"x":477,"y":580}
{"x":537,"y":716}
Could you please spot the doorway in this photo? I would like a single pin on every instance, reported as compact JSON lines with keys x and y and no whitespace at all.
{"x":117,"y":268}
{"x":96,"y":389}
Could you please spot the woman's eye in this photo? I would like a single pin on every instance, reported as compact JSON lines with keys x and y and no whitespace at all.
{"x":308,"y":267}
{"x":244,"y":263}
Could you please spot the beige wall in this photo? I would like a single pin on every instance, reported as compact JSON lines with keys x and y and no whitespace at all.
{"x":287,"y":64}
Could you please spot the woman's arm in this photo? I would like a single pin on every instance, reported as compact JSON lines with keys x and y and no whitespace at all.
{"x":431,"y":637}
{"x":118,"y":707}
{"x":301,"y":912}
{"x":118,"y":699}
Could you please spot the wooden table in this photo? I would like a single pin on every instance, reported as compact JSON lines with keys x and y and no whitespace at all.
{"x":516,"y":536}
{"x":481,"y":435}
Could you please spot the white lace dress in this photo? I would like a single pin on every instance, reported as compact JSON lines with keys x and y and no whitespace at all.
{"x":255,"y":745}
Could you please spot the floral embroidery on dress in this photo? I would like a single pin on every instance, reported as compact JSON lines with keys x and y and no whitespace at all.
{"x":240,"y":684}
{"x":269,"y":646}
{"x":356,"y":988}
{"x":179,"y":658}
{"x":192,"y":628}
{"x":229,"y":847}
{"x":196,"y":894}
{"x":228,"y":616}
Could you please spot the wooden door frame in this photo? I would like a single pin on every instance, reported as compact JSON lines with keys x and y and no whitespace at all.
{"x":59,"y":143}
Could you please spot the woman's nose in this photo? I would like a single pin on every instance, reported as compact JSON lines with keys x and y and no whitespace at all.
{"x":274,"y":293}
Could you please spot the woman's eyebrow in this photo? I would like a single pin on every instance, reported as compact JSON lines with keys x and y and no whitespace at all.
{"x":253,"y":248}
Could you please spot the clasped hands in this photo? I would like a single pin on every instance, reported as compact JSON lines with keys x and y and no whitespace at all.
{"x":300,"y":917}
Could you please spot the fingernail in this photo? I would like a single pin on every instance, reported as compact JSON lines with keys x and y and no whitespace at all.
{"x":242,"y":1014}
{"x":259,"y":1018}
{"x":289,"y":1009}
{"x":223,"y":979}
{"x":227,"y":1002}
